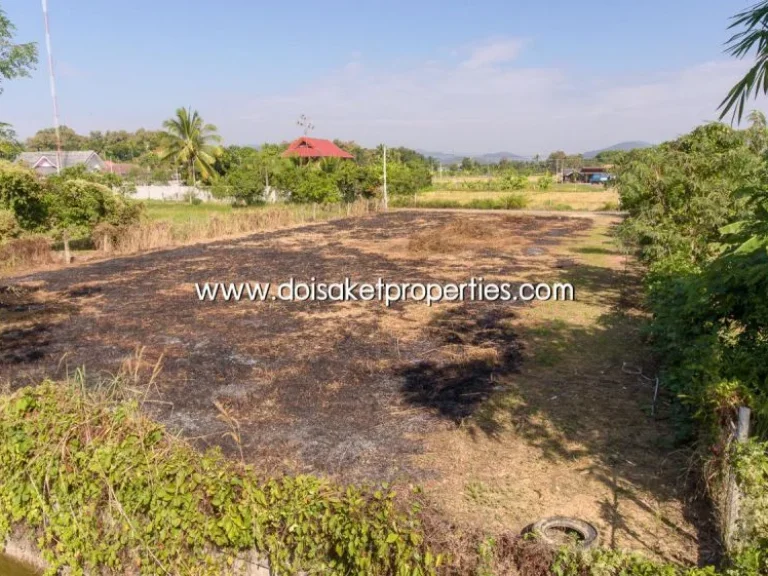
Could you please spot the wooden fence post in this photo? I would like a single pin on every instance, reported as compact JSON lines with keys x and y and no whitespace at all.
{"x":67,"y":252}
{"x":733,"y":496}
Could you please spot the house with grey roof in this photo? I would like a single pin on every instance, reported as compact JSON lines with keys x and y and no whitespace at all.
{"x":45,"y":163}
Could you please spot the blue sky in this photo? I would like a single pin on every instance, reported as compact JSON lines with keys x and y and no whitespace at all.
{"x":450,"y":76}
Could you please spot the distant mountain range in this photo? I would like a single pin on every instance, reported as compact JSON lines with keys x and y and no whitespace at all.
{"x":621,"y":146}
{"x":491,"y":158}
{"x":495,"y":157}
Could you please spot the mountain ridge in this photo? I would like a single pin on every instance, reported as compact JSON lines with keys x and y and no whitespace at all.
{"x":621,"y":146}
{"x":494,"y":157}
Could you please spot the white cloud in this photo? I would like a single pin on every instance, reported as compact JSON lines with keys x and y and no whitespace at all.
{"x":485,"y":103}
{"x":493,"y":52}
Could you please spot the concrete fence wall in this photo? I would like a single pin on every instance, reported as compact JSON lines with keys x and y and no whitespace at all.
{"x":170,"y":191}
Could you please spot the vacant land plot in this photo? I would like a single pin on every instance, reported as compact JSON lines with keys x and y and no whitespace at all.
{"x":504,"y":413}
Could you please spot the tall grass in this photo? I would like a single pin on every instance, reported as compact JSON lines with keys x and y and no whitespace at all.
{"x":507,"y":202}
{"x":162,"y":233}
{"x":32,"y":250}
{"x":175,"y":224}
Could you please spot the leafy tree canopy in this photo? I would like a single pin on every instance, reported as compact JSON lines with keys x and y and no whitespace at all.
{"x":16,"y":60}
{"x":680,"y":193}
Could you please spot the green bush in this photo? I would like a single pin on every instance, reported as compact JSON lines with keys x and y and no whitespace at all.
{"x":545,"y":182}
{"x":604,"y":562}
{"x":681,"y":193}
{"x":354,"y":181}
{"x":512,"y":182}
{"x":62,"y":202}
{"x":107,"y":490}
{"x":22,"y":192}
{"x":407,"y":179}
{"x":9,"y":226}
{"x":699,"y":216}
{"x":315,"y":186}
{"x":79,"y":205}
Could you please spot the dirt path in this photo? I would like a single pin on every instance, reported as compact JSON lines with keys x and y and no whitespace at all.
{"x":504,"y":412}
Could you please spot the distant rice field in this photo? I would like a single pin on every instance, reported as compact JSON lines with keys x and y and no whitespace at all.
{"x":582,"y":197}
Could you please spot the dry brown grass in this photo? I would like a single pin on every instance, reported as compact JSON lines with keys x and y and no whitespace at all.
{"x":32,"y":251}
{"x":161,"y":234}
{"x":451,"y":237}
{"x":154,"y":234}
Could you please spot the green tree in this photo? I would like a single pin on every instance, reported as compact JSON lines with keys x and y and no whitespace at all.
{"x":315,"y":186}
{"x":679,"y":194}
{"x":467,"y":165}
{"x":189,"y":142}
{"x":16,"y":60}
{"x":45,"y":139}
{"x":354,"y":181}
{"x":9,"y":145}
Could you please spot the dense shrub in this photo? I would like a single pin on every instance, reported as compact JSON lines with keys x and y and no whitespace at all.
{"x":679,"y":194}
{"x":315,"y":186}
{"x":707,"y":282}
{"x":603,"y":562}
{"x":22,"y":192}
{"x":354,"y":181}
{"x":407,"y":179}
{"x":75,"y":201}
{"x":699,"y":216}
{"x":545,"y":182}
{"x":243,"y":184}
{"x":79,"y":205}
{"x":506,"y":181}
{"x":108,"y":491}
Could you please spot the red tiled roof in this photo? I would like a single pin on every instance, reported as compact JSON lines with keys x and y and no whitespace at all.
{"x":315,"y":148}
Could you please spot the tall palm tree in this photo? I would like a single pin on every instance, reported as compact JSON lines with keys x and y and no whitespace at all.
{"x":191,"y":143}
{"x":754,"y":35}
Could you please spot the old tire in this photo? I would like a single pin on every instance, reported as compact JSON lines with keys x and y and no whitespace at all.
{"x":555,"y":531}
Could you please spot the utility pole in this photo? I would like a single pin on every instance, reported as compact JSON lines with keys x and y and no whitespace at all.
{"x":53,"y":87}
{"x":386,"y":196}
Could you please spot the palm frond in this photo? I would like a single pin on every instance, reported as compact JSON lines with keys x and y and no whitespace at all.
{"x":188,"y":142}
{"x":753,"y":36}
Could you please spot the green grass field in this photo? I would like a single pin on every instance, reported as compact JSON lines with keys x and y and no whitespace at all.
{"x":180,"y":212}
{"x":584,"y":197}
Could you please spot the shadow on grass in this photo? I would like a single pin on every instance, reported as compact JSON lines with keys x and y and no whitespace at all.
{"x":596,"y":250}
{"x":587,"y":392}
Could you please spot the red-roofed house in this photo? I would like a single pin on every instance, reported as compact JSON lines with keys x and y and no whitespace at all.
{"x":314,"y":148}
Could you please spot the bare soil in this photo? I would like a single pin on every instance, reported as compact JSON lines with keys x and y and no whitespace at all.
{"x":503,"y":412}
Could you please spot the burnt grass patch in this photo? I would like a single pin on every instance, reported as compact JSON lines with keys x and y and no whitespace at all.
{"x":344,"y":389}
{"x":457,"y":386}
